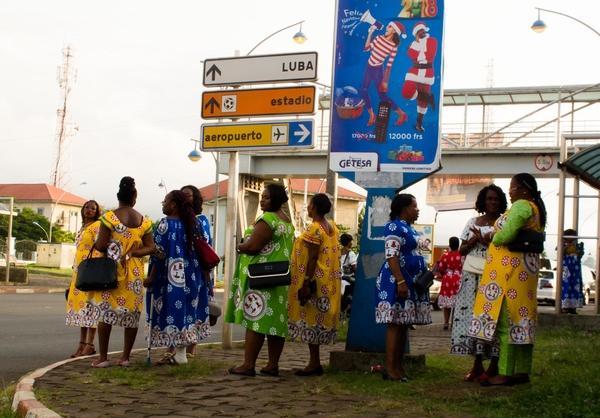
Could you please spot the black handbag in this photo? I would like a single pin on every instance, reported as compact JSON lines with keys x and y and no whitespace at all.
{"x":423,"y":282}
{"x":270,"y":274}
{"x":528,"y":241}
{"x":98,"y":273}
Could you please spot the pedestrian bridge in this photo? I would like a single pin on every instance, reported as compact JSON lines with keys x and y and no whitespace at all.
{"x":473,"y":143}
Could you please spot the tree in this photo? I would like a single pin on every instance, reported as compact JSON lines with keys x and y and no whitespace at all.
{"x":25,"y":229}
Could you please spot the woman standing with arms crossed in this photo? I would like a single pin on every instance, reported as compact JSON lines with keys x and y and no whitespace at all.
{"x":178,"y":294}
{"x":76,"y":300}
{"x":314,"y":297}
{"x":506,"y":305}
{"x":490,"y":203}
{"x":397,"y":303}
{"x":262,"y":311}
{"x":125,"y":235}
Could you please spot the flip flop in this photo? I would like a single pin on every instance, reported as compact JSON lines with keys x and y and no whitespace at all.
{"x":101,"y":365}
{"x":167,"y":358}
{"x":249,"y":372}
{"x":123,"y":363}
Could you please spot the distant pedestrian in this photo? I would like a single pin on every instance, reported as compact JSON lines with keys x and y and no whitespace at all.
{"x":348,"y":261}
{"x":449,"y":267}
{"x":397,"y":302}
{"x":125,"y":235}
{"x":505,"y":305}
{"x":77,"y":300}
{"x":314,"y":296}
{"x":490,"y":203}
{"x":178,"y":292}
{"x":572,"y":281}
{"x":262,"y":311}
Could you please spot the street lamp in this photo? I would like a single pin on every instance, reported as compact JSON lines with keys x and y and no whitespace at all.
{"x":539,"y":26}
{"x":83,"y":183}
{"x":163,"y":185}
{"x":43,"y":229}
{"x":299,"y":37}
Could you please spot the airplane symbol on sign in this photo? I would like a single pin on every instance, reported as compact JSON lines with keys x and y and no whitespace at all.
{"x":278,"y":134}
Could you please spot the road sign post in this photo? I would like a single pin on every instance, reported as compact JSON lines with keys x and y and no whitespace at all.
{"x":258,"y":135}
{"x":256,"y":69}
{"x":258,"y":102}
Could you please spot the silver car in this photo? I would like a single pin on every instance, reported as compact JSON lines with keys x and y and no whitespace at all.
{"x":547,"y":285}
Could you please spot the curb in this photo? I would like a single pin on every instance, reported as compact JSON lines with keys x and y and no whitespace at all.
{"x":10,"y":290}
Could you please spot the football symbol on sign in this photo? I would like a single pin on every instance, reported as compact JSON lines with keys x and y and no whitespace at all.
{"x":229,"y":104}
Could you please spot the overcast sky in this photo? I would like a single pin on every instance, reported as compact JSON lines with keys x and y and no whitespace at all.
{"x":136,"y":99}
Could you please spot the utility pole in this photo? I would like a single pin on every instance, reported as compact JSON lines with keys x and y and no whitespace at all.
{"x":66,"y":76}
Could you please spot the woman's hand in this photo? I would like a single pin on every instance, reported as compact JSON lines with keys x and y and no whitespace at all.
{"x":148,"y":282}
{"x":306,"y":291}
{"x":401,"y":289}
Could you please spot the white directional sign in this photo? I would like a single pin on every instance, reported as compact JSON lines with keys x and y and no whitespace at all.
{"x":260,"y":69}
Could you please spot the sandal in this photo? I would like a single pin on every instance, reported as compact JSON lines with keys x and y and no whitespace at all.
{"x":249,"y":372}
{"x":274,"y":372}
{"x":167,"y":358}
{"x":123,"y":363}
{"x":89,"y":349}
{"x":79,"y":351}
{"x":101,"y":364}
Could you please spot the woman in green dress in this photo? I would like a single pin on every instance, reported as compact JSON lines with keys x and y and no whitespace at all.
{"x":262,"y":311}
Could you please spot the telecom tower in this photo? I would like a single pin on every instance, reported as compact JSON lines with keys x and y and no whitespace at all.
{"x":66,"y":76}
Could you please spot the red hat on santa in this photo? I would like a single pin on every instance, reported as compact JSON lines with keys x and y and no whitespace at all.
{"x":419,"y":26}
{"x":398,"y":28}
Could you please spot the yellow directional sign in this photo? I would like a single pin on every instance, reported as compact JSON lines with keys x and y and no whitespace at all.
{"x":296,"y":133}
{"x":258,"y":102}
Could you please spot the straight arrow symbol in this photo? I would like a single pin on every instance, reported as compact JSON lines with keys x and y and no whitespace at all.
{"x":303,"y":133}
{"x":212,"y":103}
{"x":213,"y":71}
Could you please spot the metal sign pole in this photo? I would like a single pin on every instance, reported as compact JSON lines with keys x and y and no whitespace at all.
{"x":9,"y":235}
{"x":230,"y":238}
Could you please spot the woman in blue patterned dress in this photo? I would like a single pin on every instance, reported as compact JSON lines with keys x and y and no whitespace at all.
{"x":178,"y":295}
{"x":572,"y":281}
{"x":397,"y":303}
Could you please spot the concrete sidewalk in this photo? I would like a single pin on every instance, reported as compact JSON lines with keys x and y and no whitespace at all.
{"x":38,"y":283}
{"x":75,"y":389}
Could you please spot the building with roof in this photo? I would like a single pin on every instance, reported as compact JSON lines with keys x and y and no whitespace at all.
{"x":59,"y":206}
{"x":349,"y":204}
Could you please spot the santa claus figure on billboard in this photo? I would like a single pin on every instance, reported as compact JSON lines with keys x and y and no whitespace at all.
{"x":420,"y":76}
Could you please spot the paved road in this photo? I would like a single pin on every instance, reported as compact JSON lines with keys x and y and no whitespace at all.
{"x":33,"y":334}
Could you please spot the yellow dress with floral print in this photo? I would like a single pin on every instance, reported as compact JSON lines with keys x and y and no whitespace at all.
{"x":511,"y":278}
{"x":316,"y":322}
{"x":77,"y":299}
{"x":121,"y":306}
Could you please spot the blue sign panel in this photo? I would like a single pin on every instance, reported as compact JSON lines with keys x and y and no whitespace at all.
{"x":386,"y":96}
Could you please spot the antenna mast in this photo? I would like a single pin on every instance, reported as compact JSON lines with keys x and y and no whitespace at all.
{"x":66,"y":76}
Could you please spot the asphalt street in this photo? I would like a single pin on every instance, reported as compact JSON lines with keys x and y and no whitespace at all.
{"x":33,"y":334}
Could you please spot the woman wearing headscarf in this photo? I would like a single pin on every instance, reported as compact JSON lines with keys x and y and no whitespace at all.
{"x":126,"y":236}
{"x":506,"y":305}
{"x":572,"y":282}
{"x":397,"y":302}
{"x":314,"y":296}
{"x":177,"y":301}
{"x":76,"y":299}
{"x":263,"y":312}
{"x":490,"y":204}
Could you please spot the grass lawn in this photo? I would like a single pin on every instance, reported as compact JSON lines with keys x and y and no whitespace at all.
{"x":6,"y":398}
{"x":35,"y":269}
{"x":565,"y":383}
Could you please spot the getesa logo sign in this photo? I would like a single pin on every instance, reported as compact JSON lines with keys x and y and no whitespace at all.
{"x":353,"y":161}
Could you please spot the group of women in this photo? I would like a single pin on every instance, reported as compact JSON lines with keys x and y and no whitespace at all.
{"x":495,"y":309}
{"x":494,"y":314}
{"x":308,"y":309}
{"x":178,"y":285}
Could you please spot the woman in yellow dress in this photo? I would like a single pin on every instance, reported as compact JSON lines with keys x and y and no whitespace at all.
{"x":76,"y":300}
{"x":125,"y":235}
{"x":314,"y":295}
{"x":506,"y":304}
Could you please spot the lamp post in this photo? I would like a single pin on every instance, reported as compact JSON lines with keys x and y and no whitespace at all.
{"x":43,"y":229}
{"x":83,"y":183}
{"x":539,"y":26}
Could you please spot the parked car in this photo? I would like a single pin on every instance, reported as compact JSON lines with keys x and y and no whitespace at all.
{"x":547,"y":285}
{"x":12,"y":260}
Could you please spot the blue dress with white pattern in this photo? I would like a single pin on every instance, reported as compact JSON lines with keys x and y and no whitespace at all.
{"x":179,"y":294}
{"x":401,"y":241}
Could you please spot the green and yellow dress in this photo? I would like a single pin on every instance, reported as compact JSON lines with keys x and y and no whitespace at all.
{"x":262,"y":310}
{"x":506,"y":303}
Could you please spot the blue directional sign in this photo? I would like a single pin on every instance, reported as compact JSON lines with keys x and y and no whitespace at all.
{"x":281,"y":134}
{"x":386,"y":100}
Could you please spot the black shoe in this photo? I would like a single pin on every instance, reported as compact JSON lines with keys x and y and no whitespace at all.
{"x":317,"y":371}
{"x":272,"y":373}
{"x":386,"y":376}
{"x":249,"y":372}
